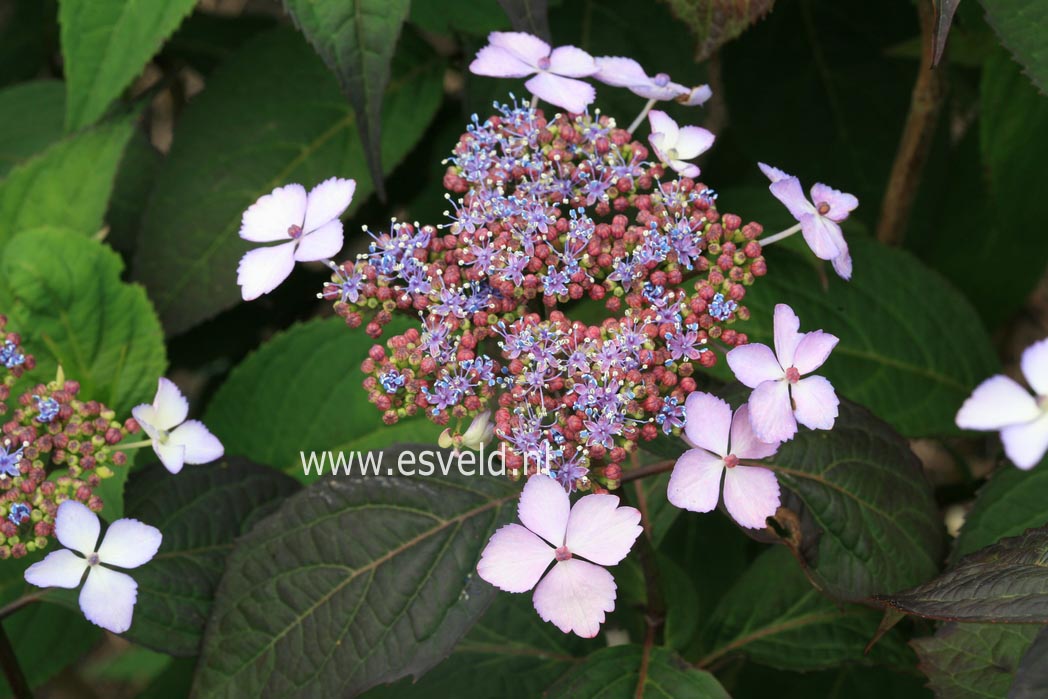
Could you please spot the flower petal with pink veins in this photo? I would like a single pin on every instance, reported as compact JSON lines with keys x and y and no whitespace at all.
{"x":514,"y":559}
{"x":322,"y":244}
{"x":1026,"y":444}
{"x":566,"y":93}
{"x":815,"y":403}
{"x":269,"y":218}
{"x":600,"y":531}
{"x":751,"y":495}
{"x":497,"y":62}
{"x":771,"y":414}
{"x":841,"y":203}
{"x":708,"y":421}
{"x":1035,"y":367}
{"x":754,"y":364}
{"x":327,"y":201}
{"x":997,"y":402}
{"x":544,"y":508}
{"x":789,"y":192}
{"x":813,"y":350}
{"x":575,"y":596}
{"x":264,"y":269}
{"x":744,"y":441}
{"x":696,"y":481}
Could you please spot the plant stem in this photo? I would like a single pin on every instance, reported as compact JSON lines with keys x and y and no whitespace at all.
{"x":655,"y":605}
{"x":12,"y":670}
{"x":134,"y":445}
{"x":917,"y":135}
{"x":534,"y":101}
{"x":781,"y":235}
{"x":23,"y":601}
{"x":652,"y":470}
{"x":640,"y":117}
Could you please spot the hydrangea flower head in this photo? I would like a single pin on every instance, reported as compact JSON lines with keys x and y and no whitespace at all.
{"x":720,"y":440}
{"x":579,"y":540}
{"x":108,"y":597}
{"x":820,"y":218}
{"x":307,"y":225}
{"x":781,"y":398}
{"x":555,"y":71}
{"x":675,"y":145}
{"x":627,"y":73}
{"x":1000,"y":403}
{"x":176,"y":441}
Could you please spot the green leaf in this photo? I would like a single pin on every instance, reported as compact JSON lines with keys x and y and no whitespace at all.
{"x":616,"y":673}
{"x":369,"y":578}
{"x":716,"y":22}
{"x":272,"y":114}
{"x":477,"y":18}
{"x":973,"y":661}
{"x":1021,"y":26}
{"x":47,"y":638}
{"x":304,"y":388}
{"x":911,"y":347}
{"x":1031,"y":679}
{"x":134,"y":183}
{"x":1009,"y":504}
{"x":793,"y":627}
{"x":1006,"y":582}
{"x":201,"y":513}
{"x":30,"y":120}
{"x":106,"y":44}
{"x":847,"y":682}
{"x":28,"y":39}
{"x":72,"y":309}
{"x":67,"y":185}
{"x":356,"y":39}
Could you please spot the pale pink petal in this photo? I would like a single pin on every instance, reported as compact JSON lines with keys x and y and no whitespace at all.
{"x":600,"y":531}
{"x":661,"y":122}
{"x":514,"y":559}
{"x":327,"y":201}
{"x":544,"y":508}
{"x":129,"y":543}
{"x":528,"y":47}
{"x":201,"y":447}
{"x":566,"y":93}
{"x":497,"y":62}
{"x":322,"y":244}
{"x":658,"y":145}
{"x":813,"y":350}
{"x":771,"y":414}
{"x":270,"y":217}
{"x":575,"y":596}
{"x":754,"y":364}
{"x":170,"y":407}
{"x":695,"y":481}
{"x":789,"y":192}
{"x":693,"y":141}
{"x":787,"y":334}
{"x":697,"y":96}
{"x":823,"y":236}
{"x":744,"y":441}
{"x":775,"y":174}
{"x":995,"y":403}
{"x":77,"y":527}
{"x":751,"y":495}
{"x":61,"y":568}
{"x":815,"y":403}
{"x":264,"y":269}
{"x":571,"y":62}
{"x":173,"y":456}
{"x":841,"y":203}
{"x":1026,"y":444}
{"x":145,"y":415}
{"x":842,"y":265}
{"x":620,"y":72}
{"x":708,"y":421}
{"x":685,"y":169}
{"x":661,"y":93}
{"x":108,"y":599}
{"x":1035,"y":367}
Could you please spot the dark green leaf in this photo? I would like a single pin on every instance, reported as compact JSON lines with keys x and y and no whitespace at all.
{"x":716,"y":22}
{"x":47,"y":638}
{"x":1021,"y":26}
{"x":270,"y":115}
{"x":477,"y":18}
{"x":73,"y":309}
{"x":106,"y":44}
{"x":356,"y":39}
{"x":364,"y":580}
{"x":1006,"y":582}
{"x":206,"y":40}
{"x":848,"y":682}
{"x":616,"y":673}
{"x":1012,"y":502}
{"x":134,"y":183}
{"x":911,"y":347}
{"x":31,"y":119}
{"x":793,"y":627}
{"x":28,"y":38}
{"x":304,"y":388}
{"x":201,"y":513}
{"x":531,"y":16}
{"x":1031,"y":679}
{"x":973,"y":661}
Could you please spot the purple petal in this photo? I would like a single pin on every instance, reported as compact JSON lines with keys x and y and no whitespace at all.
{"x":264,"y":269}
{"x":527,"y":47}
{"x":823,"y":236}
{"x":695,"y":481}
{"x":201,"y":447}
{"x":269,"y":218}
{"x":322,"y":244}
{"x":841,"y":203}
{"x":61,"y":568}
{"x":108,"y":599}
{"x":514,"y":559}
{"x":751,"y":495}
{"x":129,"y":543}
{"x":697,"y":96}
{"x":693,"y":141}
{"x":789,"y":192}
{"x":744,"y":441}
{"x":842,"y":265}
{"x":815,"y":403}
{"x":77,"y":527}
{"x":544,"y":508}
{"x":571,"y":62}
{"x":813,"y":350}
{"x":661,"y":93}
{"x":771,"y":414}
{"x":497,"y":62}
{"x":661,"y":123}
{"x":1026,"y":444}
{"x":754,"y":364}
{"x":620,"y":72}
{"x":995,"y":403}
{"x":775,"y":174}
{"x":787,"y":336}
{"x":600,"y":531}
{"x":708,"y":421}
{"x":1035,"y":367}
{"x":685,"y":169}
{"x":327,"y":201}
{"x":566,"y":93}
{"x":575,"y":595}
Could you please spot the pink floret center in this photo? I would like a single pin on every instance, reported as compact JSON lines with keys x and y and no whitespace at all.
{"x":823,"y":208}
{"x":562,"y":554}
{"x":295,"y":231}
{"x":792,"y":375}
{"x":731,"y":461}
{"x":544,"y":63}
